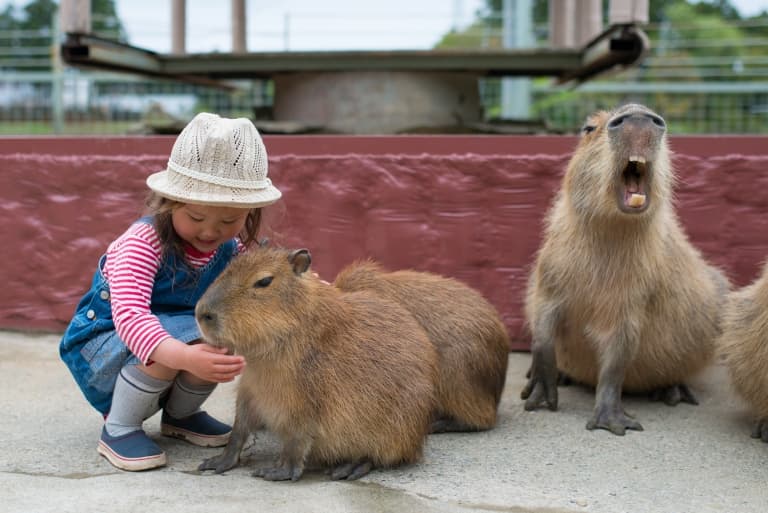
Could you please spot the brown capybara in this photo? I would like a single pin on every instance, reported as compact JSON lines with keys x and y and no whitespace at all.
{"x":619,"y":299}
{"x":471,"y":340}
{"x":343,"y":379}
{"x":744,"y":347}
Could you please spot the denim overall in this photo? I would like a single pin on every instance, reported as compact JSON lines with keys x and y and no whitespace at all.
{"x":91,"y":347}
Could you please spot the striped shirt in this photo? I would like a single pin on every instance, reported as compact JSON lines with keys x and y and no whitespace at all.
{"x":132,"y":262}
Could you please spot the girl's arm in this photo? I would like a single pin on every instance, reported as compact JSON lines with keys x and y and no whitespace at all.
{"x":202,"y":360}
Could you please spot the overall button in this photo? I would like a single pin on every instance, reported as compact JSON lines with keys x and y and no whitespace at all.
{"x":104,"y":295}
{"x":90,"y":314}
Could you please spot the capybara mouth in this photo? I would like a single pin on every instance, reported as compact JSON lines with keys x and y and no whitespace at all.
{"x":633,"y":187}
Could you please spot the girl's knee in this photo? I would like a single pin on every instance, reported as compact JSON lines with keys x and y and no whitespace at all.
{"x":159,"y":371}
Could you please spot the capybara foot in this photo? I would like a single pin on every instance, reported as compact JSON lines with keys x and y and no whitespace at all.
{"x":219,"y":464}
{"x":614,"y":420}
{"x":449,"y":425}
{"x":351,"y":471}
{"x":760,"y":429}
{"x":540,"y":392}
{"x":563,"y":379}
{"x":279,"y":473}
{"x":674,"y":395}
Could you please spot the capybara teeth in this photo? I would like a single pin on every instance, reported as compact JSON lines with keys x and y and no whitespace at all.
{"x":637,"y":158}
{"x":636,"y":200}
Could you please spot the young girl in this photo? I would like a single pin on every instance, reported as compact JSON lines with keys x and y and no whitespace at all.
{"x":133,"y":345}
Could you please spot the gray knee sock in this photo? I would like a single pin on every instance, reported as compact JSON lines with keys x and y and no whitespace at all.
{"x":135,"y":399}
{"x":186,"y":398}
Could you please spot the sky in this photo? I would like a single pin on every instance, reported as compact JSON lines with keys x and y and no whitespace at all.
{"x":310,"y":24}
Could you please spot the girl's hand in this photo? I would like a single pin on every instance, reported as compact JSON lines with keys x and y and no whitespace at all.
{"x":213,"y":363}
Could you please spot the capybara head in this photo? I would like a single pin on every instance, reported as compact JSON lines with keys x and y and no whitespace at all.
{"x":621,"y":166}
{"x":253,"y":306}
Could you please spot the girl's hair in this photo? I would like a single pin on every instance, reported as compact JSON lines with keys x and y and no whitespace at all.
{"x":170,"y":242}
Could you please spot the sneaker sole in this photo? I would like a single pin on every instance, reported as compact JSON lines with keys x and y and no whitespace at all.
{"x":130,"y":464}
{"x":194,"y":438}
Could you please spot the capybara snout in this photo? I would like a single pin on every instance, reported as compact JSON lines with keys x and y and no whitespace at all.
{"x":231,"y":301}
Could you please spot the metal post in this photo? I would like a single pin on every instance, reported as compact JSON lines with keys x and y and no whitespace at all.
{"x":517,"y":25}
{"x":178,"y":26}
{"x":628,"y":11}
{"x":75,"y":16}
{"x":589,"y":21}
{"x":562,"y":30}
{"x":238,"y":27}
{"x":57,"y":107}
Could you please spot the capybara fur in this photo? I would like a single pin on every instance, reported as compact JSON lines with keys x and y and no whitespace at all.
{"x":471,"y":340}
{"x":744,"y":347}
{"x":619,"y":299}
{"x":343,"y":379}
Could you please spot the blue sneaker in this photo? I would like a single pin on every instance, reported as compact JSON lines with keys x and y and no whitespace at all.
{"x":134,"y":451}
{"x":198,"y":429}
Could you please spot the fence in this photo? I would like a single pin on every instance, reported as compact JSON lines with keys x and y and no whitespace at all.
{"x":700,"y":85}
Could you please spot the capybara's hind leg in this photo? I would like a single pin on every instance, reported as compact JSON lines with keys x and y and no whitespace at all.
{"x":449,"y":425}
{"x":351,"y":471}
{"x":760,"y":430}
{"x":674,"y":395}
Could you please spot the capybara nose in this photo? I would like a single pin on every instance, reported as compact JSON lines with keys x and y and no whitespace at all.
{"x":205,"y":317}
{"x":638,"y":119}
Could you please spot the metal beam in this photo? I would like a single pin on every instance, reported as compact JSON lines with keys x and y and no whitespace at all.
{"x":619,"y":46}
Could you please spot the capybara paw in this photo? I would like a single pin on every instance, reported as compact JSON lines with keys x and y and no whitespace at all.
{"x":760,"y":429}
{"x":674,"y":395}
{"x":281,"y":473}
{"x":617,"y":422}
{"x":351,"y":471}
{"x":218,"y":464}
{"x":538,"y":392}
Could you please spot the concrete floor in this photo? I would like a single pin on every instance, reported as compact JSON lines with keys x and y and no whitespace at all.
{"x":689,"y":458}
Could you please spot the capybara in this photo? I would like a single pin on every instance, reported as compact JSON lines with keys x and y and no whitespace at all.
{"x":343,"y":379}
{"x":619,"y":299}
{"x":744,"y":346}
{"x":471,"y":340}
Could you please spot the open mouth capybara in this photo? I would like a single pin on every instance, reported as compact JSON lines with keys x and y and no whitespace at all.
{"x":619,"y":299}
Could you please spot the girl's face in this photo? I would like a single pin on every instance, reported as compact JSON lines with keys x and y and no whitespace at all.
{"x":205,"y":228}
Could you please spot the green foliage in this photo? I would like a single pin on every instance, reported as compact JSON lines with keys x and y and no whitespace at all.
{"x":34,"y":25}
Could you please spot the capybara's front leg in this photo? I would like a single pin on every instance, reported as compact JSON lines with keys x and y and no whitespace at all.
{"x":674,"y":395}
{"x":760,"y":429}
{"x":609,"y":413}
{"x":542,"y":382}
{"x":230,"y":458}
{"x":291,"y":462}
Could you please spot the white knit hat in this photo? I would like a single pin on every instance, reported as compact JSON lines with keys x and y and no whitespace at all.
{"x":217,"y":161}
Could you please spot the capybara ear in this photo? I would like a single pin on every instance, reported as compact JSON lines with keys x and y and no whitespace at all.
{"x":264,"y":242}
{"x":300,"y":259}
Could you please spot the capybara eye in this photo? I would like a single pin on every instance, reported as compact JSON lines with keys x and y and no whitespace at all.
{"x":264,"y":282}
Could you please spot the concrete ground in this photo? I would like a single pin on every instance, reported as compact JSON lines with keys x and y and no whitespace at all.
{"x":688,"y":459}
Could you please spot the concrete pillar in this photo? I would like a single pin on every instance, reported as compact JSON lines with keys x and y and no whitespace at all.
{"x":178,"y":26}
{"x":517,"y":26}
{"x":589,"y":21}
{"x":75,"y":16}
{"x":562,"y":27}
{"x":239,"y":44}
{"x":628,"y":11}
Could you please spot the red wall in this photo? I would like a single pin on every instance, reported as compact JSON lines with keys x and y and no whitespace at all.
{"x":467,"y":207}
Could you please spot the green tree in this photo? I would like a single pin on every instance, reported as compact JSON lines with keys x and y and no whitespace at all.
{"x":35,"y":21}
